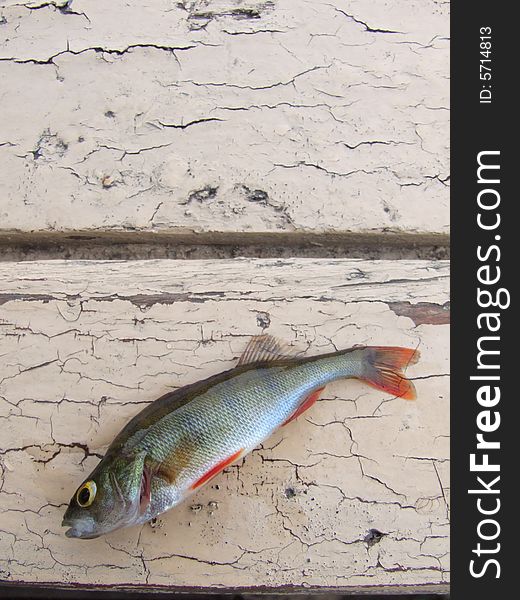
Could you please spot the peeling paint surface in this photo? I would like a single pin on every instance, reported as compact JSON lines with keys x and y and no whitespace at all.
{"x":423,"y":312}
{"x":355,"y":493}
{"x":224,"y":116}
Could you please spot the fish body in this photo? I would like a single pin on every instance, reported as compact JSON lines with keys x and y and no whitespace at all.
{"x":186,"y":437}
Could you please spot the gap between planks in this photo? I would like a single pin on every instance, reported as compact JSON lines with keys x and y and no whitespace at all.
{"x":41,"y":245}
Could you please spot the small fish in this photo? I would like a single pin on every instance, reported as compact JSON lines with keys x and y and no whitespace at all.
{"x":182,"y":440}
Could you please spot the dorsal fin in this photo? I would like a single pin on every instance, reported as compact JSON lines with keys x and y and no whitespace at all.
{"x":265,"y":348}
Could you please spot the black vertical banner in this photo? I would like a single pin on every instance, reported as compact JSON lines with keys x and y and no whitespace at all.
{"x":483,"y":303}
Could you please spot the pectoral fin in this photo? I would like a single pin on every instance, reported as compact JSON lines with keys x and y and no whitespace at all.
{"x":146,"y":489}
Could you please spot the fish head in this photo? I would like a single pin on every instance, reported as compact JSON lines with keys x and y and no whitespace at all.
{"x":108,"y":499}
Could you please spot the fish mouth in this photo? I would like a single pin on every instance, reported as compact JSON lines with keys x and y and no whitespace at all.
{"x":76,"y":531}
{"x":73,"y":533}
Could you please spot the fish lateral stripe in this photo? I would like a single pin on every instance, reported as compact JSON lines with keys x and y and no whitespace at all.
{"x":217,"y":469}
{"x":383,"y":370}
{"x":306,"y":404}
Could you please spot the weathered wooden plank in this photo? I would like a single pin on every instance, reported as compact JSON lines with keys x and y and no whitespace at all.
{"x":218,"y":116}
{"x":85,"y":345}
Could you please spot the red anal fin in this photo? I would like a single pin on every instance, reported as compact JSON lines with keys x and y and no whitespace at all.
{"x":216,"y":469}
{"x":146,"y":489}
{"x":307,"y":403}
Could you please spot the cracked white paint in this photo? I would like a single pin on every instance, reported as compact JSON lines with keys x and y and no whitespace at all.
{"x":85,"y":345}
{"x":224,"y":116}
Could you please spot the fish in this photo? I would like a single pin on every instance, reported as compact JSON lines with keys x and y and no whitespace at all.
{"x":184,"y":439}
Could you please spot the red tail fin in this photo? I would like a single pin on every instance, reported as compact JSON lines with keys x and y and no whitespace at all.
{"x":383,"y":370}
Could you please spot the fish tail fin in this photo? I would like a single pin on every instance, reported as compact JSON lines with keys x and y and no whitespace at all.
{"x":383,"y":369}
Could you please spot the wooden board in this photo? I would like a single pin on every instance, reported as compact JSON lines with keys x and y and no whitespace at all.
{"x":210,"y":117}
{"x":85,"y":345}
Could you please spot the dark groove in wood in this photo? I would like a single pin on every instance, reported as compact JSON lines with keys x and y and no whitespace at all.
{"x":137,"y":245}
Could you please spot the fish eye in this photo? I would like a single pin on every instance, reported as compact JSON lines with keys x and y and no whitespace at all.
{"x":86,"y":494}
